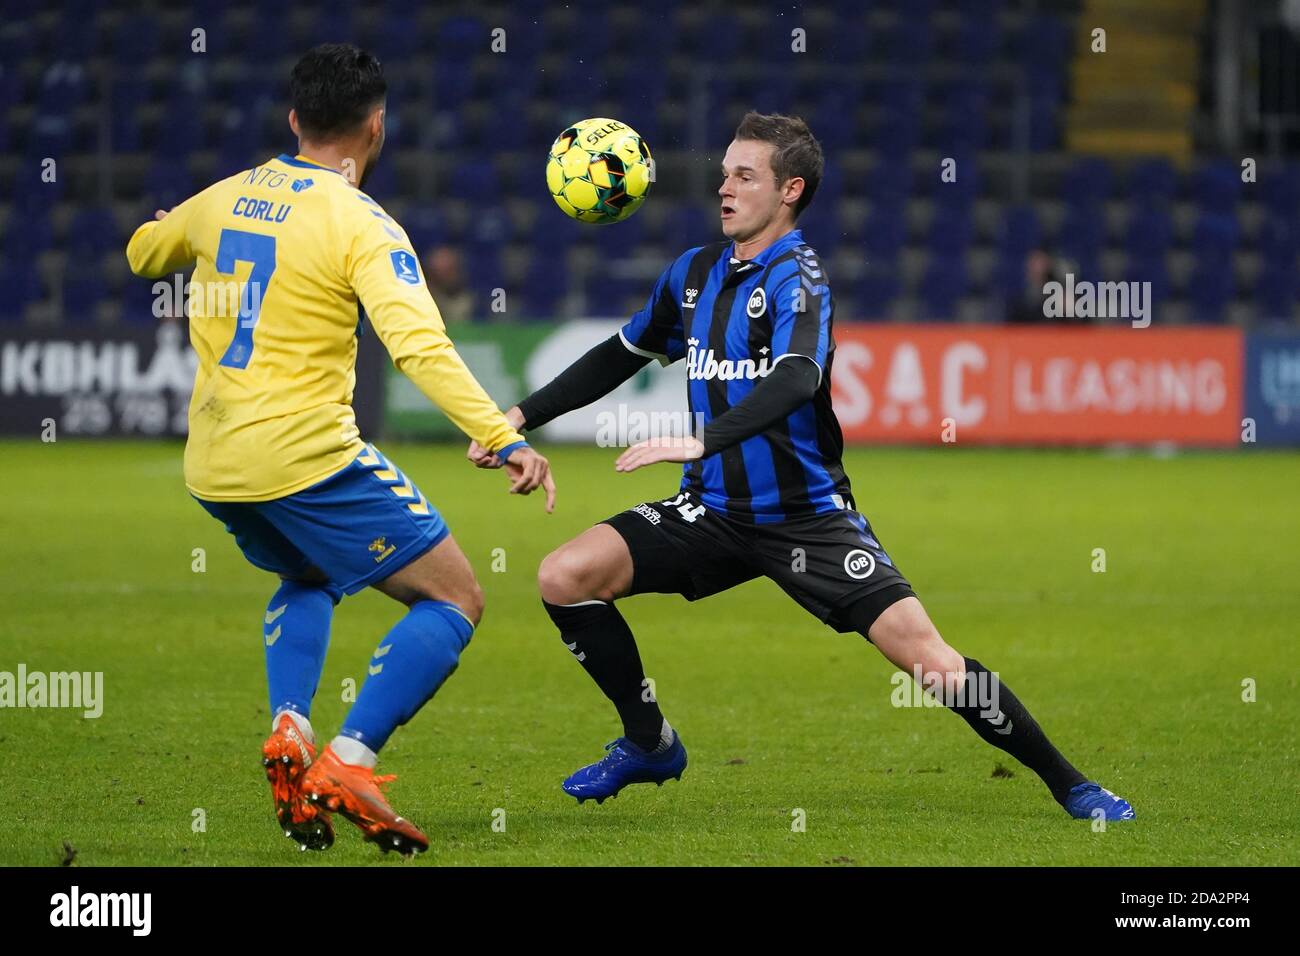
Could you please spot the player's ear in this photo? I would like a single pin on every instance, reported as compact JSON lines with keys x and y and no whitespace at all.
{"x":793,"y":190}
{"x":377,"y":123}
{"x":293,"y":122}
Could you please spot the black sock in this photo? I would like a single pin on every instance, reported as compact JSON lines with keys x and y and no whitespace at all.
{"x":603,"y":644}
{"x":1012,"y":729}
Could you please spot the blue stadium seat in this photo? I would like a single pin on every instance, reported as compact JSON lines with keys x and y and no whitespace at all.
{"x":330,"y":23}
{"x":1215,"y":186}
{"x":1151,"y":181}
{"x":820,"y":227}
{"x":459,"y":38}
{"x":976,"y":40}
{"x":896,"y":136}
{"x":1153,"y":269}
{"x":27,"y":237}
{"x":1020,"y":230}
{"x":1082,"y":235}
{"x":1150,"y":232}
{"x":83,"y":290}
{"x":1276,"y":292}
{"x":1087,"y":182}
{"x":137,"y":38}
{"x":886,"y":234}
{"x":137,"y":301}
{"x":1210,"y":288}
{"x":268,"y":38}
{"x":1278,"y":189}
{"x":1215,"y":235}
{"x":22,"y":285}
{"x":425,"y":227}
{"x":689,"y":225}
{"x":92,"y":232}
{"x":545,"y":283}
{"x":1279,"y":239}
{"x":876,"y":292}
{"x":910,"y":42}
{"x":1008,"y":279}
{"x":944,"y":283}
{"x":950,"y":231}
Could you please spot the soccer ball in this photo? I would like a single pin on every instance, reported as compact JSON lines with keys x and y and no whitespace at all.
{"x":599,"y":171}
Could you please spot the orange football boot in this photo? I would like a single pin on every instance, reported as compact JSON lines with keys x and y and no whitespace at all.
{"x":286,"y":755}
{"x":354,"y":791}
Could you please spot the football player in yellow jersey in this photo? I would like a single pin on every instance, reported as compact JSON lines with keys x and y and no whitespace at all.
{"x":287,"y":257}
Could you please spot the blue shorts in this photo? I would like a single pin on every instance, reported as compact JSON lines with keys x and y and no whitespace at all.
{"x":358,"y":526}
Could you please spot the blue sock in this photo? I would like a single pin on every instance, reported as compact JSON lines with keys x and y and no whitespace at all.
{"x":407,"y":668}
{"x":296,"y":631}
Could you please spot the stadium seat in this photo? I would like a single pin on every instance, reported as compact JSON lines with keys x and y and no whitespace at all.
{"x":22,"y":285}
{"x":1210,"y":288}
{"x":1087,"y":182}
{"x":1277,"y":291}
{"x":92,"y":230}
{"x":1216,"y":186}
{"x":1149,"y":233}
{"x":83,"y":291}
{"x":944,"y":283}
{"x":1152,"y":181}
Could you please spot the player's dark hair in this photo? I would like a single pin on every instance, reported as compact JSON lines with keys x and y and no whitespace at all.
{"x":333,"y":88}
{"x":796,"y":153}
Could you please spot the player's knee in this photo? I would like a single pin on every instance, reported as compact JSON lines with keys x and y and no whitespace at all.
{"x":912,"y":641}
{"x":471,"y":601}
{"x":568,"y":575}
{"x":936,"y":657}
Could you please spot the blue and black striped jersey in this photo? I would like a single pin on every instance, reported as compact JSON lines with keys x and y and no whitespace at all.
{"x":733,"y":321}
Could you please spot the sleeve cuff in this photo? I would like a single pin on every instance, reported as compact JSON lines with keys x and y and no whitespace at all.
{"x":663,"y":359}
{"x":781,"y":358}
{"x":505,"y":453}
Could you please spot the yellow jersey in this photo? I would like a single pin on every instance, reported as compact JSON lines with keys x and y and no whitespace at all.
{"x":286,"y":256}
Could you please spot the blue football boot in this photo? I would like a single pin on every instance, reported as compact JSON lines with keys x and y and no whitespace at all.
{"x":1086,"y":798}
{"x":624,"y":763}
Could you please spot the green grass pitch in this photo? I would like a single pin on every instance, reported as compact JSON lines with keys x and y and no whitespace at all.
{"x":1136,"y":673}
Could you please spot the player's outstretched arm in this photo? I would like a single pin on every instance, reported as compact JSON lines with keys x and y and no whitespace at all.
{"x":597,"y":373}
{"x":408,"y":323}
{"x":162,"y":245}
{"x":790,"y":384}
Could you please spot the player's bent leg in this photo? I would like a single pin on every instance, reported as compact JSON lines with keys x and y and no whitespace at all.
{"x":413,"y":660}
{"x":594,"y":566}
{"x":442,"y":573}
{"x":295,"y":633}
{"x":906,"y":636}
{"x":579,"y":583}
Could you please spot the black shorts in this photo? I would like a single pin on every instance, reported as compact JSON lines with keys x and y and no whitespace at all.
{"x":826,"y":562}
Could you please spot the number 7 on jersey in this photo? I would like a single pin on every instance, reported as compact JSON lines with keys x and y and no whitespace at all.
{"x":258,"y":249}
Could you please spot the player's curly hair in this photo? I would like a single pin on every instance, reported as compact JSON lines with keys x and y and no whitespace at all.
{"x":797,"y":151}
{"x":333,"y":88}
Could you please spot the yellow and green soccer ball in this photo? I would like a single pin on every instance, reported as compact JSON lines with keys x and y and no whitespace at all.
{"x":599,"y":171}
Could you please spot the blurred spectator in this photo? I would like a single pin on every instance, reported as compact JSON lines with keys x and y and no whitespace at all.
{"x":444,"y":270}
{"x":1041,"y":267}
